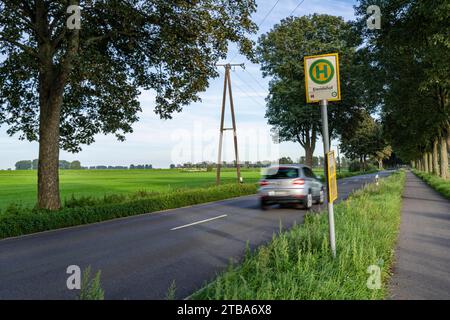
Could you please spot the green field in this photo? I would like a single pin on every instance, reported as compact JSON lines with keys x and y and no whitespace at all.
{"x":19,"y":187}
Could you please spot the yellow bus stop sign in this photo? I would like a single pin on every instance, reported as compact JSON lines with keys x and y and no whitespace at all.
{"x":331,"y":174}
{"x":322,"y":77}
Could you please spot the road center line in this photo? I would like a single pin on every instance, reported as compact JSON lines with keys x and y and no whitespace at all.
{"x":198,"y":222}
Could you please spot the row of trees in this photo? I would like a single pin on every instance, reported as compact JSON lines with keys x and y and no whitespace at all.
{"x":281,"y":53}
{"x":394,"y":83}
{"x":76,"y":165}
{"x":319,"y":161}
{"x":409,"y":60}
{"x":33,"y":165}
{"x":225,"y":164}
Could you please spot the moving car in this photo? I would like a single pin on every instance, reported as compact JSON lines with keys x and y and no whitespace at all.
{"x":294,"y":183}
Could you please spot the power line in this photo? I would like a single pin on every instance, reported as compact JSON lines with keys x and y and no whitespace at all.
{"x":259,"y":24}
{"x":292,"y":12}
{"x":252,"y":89}
{"x":240,"y":90}
{"x":269,"y":12}
{"x":246,"y":95}
{"x":256,"y":80}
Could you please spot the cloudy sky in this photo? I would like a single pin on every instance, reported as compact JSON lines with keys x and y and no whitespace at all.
{"x":192,"y":135}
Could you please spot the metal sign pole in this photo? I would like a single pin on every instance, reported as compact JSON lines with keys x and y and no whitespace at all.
{"x":326,"y":149}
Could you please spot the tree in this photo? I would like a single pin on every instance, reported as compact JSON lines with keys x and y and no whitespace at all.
{"x":75,"y":165}
{"x":61,"y":86}
{"x":363,"y":141}
{"x":382,"y":155}
{"x":281,"y":52}
{"x":411,"y":76}
{"x":23,"y":165}
{"x":64,"y":164}
{"x":285,"y":160}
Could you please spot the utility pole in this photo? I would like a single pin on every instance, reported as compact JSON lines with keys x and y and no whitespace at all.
{"x":227,"y":85}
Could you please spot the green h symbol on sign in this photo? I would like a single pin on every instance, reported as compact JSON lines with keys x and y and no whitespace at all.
{"x":321,"y":67}
{"x":324,"y":71}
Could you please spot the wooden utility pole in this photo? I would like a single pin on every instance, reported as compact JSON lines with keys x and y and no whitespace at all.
{"x":227,"y":84}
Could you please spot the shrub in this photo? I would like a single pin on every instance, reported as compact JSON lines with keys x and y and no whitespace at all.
{"x":354,"y":166}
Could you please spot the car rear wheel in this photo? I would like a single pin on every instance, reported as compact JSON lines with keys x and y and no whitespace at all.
{"x":309,"y":201}
{"x":263,"y":205}
{"x":321,"y":197}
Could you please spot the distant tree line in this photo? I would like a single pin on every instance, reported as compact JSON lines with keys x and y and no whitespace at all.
{"x":316,"y":161}
{"x":209,"y":165}
{"x":76,"y":165}
{"x":33,"y":165}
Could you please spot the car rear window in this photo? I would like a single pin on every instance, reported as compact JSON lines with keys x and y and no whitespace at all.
{"x":280,"y":173}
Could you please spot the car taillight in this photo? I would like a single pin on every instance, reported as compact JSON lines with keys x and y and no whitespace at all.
{"x":263,"y":183}
{"x":298,"y":182}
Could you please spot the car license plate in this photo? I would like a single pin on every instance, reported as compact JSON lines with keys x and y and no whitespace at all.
{"x":277,"y":193}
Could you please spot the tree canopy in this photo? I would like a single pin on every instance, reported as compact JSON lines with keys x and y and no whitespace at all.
{"x":281,"y":52}
{"x":410,"y":63}
{"x":62,"y":86}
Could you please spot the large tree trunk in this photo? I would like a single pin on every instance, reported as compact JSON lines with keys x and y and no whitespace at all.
{"x":308,"y":141}
{"x":50,"y":99}
{"x":448,"y":139}
{"x":444,"y":158}
{"x":48,"y":166}
{"x":425,"y":162}
{"x":309,"y":156}
{"x":430,"y":162}
{"x":52,"y":80}
{"x":435,"y":157}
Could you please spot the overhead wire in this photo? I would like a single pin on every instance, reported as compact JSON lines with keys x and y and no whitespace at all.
{"x":259,"y":25}
{"x":292,"y":12}
{"x":244,"y":92}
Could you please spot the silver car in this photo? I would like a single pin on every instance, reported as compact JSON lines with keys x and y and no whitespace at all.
{"x":293,"y":183}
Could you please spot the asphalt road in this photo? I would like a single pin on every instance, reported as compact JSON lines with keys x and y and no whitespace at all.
{"x":141,"y":256}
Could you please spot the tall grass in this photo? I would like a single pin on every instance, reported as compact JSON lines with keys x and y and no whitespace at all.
{"x":437,"y":183}
{"x":297,"y":264}
{"x":91,"y":288}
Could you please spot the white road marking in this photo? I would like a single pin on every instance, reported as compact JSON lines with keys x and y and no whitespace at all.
{"x":198,"y":222}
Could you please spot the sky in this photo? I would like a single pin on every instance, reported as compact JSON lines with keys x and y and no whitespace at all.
{"x":192,"y":135}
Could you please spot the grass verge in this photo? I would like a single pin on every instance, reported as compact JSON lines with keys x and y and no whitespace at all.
{"x":437,"y":183}
{"x":19,"y":221}
{"x":297,"y":264}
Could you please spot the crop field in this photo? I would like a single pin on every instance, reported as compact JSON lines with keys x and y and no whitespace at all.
{"x":19,"y":187}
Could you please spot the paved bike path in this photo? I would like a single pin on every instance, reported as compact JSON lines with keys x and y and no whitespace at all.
{"x":422,"y":258}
